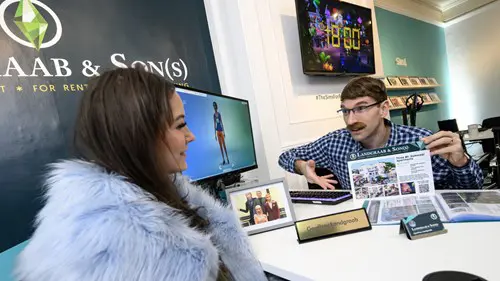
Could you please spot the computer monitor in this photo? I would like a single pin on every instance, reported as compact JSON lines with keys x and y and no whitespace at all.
{"x":230,"y":125}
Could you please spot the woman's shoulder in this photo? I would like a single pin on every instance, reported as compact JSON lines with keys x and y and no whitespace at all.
{"x":76,"y":189}
{"x":92,"y":217}
{"x":74,"y":186}
{"x":82,"y":197}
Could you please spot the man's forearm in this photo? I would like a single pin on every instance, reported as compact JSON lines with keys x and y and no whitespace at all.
{"x":460,"y":162}
{"x":299,"y":166}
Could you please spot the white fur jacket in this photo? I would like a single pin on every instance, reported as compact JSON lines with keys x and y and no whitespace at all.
{"x":97,"y":226}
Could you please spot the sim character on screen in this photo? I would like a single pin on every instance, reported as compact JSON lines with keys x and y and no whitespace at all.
{"x":220,"y":134}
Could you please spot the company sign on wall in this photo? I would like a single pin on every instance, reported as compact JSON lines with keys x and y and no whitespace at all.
{"x":50,"y":49}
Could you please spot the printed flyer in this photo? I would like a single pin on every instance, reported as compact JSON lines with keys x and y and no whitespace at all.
{"x":391,"y":172}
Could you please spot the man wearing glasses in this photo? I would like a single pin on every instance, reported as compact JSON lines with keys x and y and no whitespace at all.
{"x":364,"y":106}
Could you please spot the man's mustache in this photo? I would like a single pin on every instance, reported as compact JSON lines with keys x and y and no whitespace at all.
{"x":356,"y":126}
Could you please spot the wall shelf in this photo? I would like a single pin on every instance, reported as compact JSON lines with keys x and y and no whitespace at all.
{"x":412,"y":87}
{"x":409,"y":82}
{"x":401,"y":107}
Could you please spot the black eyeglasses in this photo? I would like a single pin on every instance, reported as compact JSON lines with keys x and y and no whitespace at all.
{"x":357,"y":109}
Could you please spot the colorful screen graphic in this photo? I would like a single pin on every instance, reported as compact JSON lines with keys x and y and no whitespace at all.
{"x":336,"y":37}
{"x":223,"y":130}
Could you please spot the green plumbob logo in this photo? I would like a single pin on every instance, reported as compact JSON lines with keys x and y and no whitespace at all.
{"x":31,"y":23}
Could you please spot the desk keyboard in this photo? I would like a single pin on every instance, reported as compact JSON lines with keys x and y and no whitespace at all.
{"x":330,"y":197}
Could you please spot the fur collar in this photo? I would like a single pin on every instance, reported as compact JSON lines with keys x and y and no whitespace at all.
{"x":97,"y":226}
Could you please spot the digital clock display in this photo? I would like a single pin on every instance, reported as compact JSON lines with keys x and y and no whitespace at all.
{"x":335,"y":36}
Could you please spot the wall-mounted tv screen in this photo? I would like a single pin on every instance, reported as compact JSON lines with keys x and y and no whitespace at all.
{"x":336,"y":38}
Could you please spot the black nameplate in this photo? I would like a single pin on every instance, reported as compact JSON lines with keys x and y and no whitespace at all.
{"x":421,"y":226}
{"x":332,"y":225}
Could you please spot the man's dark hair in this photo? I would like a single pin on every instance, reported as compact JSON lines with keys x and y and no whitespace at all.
{"x":364,"y":87}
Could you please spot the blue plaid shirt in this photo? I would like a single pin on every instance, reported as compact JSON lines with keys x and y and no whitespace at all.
{"x":331,"y":150}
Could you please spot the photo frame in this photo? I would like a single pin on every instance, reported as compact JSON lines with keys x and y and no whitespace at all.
{"x":386,"y":82}
{"x":434,"y":97}
{"x":423,"y":81}
{"x":403,"y":99}
{"x":255,"y":212}
{"x":405,"y":81}
{"x":391,"y":106}
{"x":414,"y":81}
{"x":394,"y":81}
{"x":432,"y":81}
{"x":397,"y":102}
{"x":427,"y":98}
{"x":410,"y":101}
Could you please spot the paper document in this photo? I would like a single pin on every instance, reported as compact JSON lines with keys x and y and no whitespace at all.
{"x":452,"y":206}
{"x":397,"y":181}
{"x":481,"y":205}
{"x":395,"y":171}
{"x":392,"y":210}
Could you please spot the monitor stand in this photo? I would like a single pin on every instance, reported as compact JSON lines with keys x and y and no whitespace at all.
{"x":217,"y":186}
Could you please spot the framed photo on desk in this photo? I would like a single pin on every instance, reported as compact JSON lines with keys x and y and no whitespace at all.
{"x":262,"y":207}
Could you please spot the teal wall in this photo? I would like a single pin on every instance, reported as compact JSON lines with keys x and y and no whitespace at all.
{"x":424,"y":47}
{"x":7,"y":261}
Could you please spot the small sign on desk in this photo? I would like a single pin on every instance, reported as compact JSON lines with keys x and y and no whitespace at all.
{"x":421,"y":226}
{"x":332,"y":225}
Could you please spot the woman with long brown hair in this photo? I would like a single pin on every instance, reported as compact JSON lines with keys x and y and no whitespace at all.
{"x":123,"y":212}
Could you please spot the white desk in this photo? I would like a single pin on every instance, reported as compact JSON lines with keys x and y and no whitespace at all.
{"x":488,"y":134}
{"x":378,"y":254}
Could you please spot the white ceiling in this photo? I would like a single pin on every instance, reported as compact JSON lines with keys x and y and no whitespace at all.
{"x":451,"y":9}
{"x":443,"y":5}
{"x":438,"y":11}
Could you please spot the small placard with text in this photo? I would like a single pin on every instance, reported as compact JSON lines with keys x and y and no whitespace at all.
{"x":422,"y":225}
{"x":332,"y":225}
